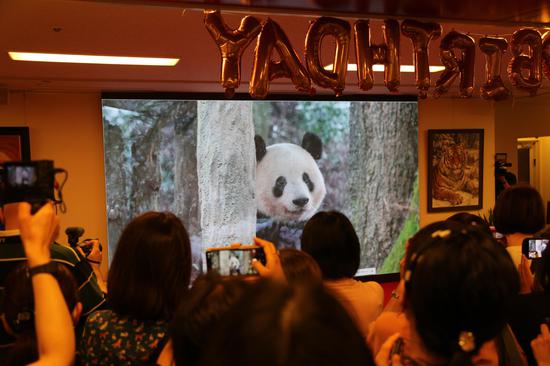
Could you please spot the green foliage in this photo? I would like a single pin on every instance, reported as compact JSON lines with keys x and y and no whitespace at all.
{"x":329,"y":120}
{"x":410,"y":227}
{"x":489,"y":218}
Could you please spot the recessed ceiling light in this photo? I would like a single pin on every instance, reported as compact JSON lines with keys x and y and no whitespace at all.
{"x":380,"y":68}
{"x":92,"y":59}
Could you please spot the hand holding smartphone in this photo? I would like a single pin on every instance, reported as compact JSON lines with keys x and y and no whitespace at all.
{"x":235,"y":261}
{"x":532,"y":248}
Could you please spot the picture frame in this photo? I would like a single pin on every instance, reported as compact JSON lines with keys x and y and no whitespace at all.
{"x":14,"y":144}
{"x":455,"y":170}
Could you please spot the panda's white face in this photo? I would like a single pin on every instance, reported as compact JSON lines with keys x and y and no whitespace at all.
{"x":289,"y":184}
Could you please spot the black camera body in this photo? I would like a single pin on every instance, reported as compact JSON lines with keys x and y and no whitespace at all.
{"x":28,"y":181}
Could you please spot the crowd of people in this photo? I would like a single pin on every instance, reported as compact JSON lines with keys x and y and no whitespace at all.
{"x":464,"y":297}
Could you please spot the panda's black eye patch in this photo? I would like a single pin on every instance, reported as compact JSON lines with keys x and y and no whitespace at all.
{"x":308,"y":182}
{"x":279,"y":187}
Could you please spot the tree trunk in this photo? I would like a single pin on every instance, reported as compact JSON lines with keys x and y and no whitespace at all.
{"x":226,"y":172}
{"x":116,"y":189}
{"x":382,"y":171}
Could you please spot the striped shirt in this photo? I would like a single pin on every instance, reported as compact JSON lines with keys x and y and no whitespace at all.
{"x":12,"y":253}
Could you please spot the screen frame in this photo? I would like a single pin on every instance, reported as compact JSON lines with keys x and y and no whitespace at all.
{"x":380,"y":278}
{"x":246,"y":96}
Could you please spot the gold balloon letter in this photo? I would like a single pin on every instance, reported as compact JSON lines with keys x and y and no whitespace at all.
{"x":530,"y":61}
{"x":493,"y":48}
{"x":340,"y":30}
{"x":264,"y":70}
{"x":368,"y":54}
{"x":421,"y":34}
{"x":231,"y":43}
{"x":454,"y":67}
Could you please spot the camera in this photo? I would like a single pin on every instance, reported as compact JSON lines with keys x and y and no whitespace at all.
{"x":500,"y":167}
{"x":73,"y":236}
{"x":28,"y":181}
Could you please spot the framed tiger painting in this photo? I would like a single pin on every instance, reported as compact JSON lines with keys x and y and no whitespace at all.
{"x":455,"y":170}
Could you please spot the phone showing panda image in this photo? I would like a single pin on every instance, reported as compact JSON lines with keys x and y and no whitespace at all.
{"x":532,"y":248}
{"x":234,"y":261}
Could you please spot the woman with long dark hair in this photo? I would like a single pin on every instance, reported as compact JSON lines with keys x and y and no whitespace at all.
{"x":148,"y":278}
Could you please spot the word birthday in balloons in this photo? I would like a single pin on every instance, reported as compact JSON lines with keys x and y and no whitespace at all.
{"x":530,"y":56}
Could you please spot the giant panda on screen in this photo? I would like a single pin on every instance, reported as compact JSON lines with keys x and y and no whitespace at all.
{"x":290,"y":188}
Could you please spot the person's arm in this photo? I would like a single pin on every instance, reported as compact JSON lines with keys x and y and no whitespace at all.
{"x":525,"y":276}
{"x":53,"y":323}
{"x":385,"y":357}
{"x":541,"y":346}
{"x":95,"y":258}
{"x":395,"y":303}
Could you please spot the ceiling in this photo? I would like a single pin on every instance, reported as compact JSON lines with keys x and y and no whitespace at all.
{"x":134,"y":28}
{"x":501,"y":12}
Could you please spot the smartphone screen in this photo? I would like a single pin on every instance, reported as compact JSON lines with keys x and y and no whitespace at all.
{"x":234,"y":261}
{"x":532,"y":248}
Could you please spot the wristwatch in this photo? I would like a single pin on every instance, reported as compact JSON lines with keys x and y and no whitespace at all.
{"x":49,"y":267}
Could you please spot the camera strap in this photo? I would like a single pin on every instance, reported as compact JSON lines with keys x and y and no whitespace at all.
{"x":58,"y":187}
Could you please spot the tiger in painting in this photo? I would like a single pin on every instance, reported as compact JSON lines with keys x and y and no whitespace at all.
{"x":451,"y":174}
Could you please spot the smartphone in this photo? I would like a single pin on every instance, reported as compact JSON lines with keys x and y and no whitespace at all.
{"x":532,"y":248}
{"x":231,"y":261}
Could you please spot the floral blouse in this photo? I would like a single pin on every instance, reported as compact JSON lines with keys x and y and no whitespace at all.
{"x":112,"y":340}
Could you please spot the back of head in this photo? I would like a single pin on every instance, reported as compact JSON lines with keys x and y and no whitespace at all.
{"x":329,"y":237}
{"x":459,"y":281}
{"x":276,"y":325}
{"x":472,"y":220}
{"x":542,"y":272}
{"x":151,"y":267}
{"x":417,"y":241}
{"x":195,"y":320}
{"x":299,"y":266}
{"x":19,"y":310}
{"x":519,"y":209}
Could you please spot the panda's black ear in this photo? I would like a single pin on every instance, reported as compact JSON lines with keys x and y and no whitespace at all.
{"x":260,"y":147}
{"x":312,"y":144}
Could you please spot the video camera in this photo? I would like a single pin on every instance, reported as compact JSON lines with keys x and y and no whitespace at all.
{"x":500,"y":167}
{"x":73,"y":237}
{"x":32,"y":182}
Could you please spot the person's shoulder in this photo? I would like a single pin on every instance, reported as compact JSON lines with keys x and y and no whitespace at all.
{"x":64,"y":254}
{"x":390,"y":322}
{"x":372,"y":287}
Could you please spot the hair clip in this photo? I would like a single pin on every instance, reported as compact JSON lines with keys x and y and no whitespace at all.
{"x":441,"y":233}
{"x":407,"y":275}
{"x":466,"y":341}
